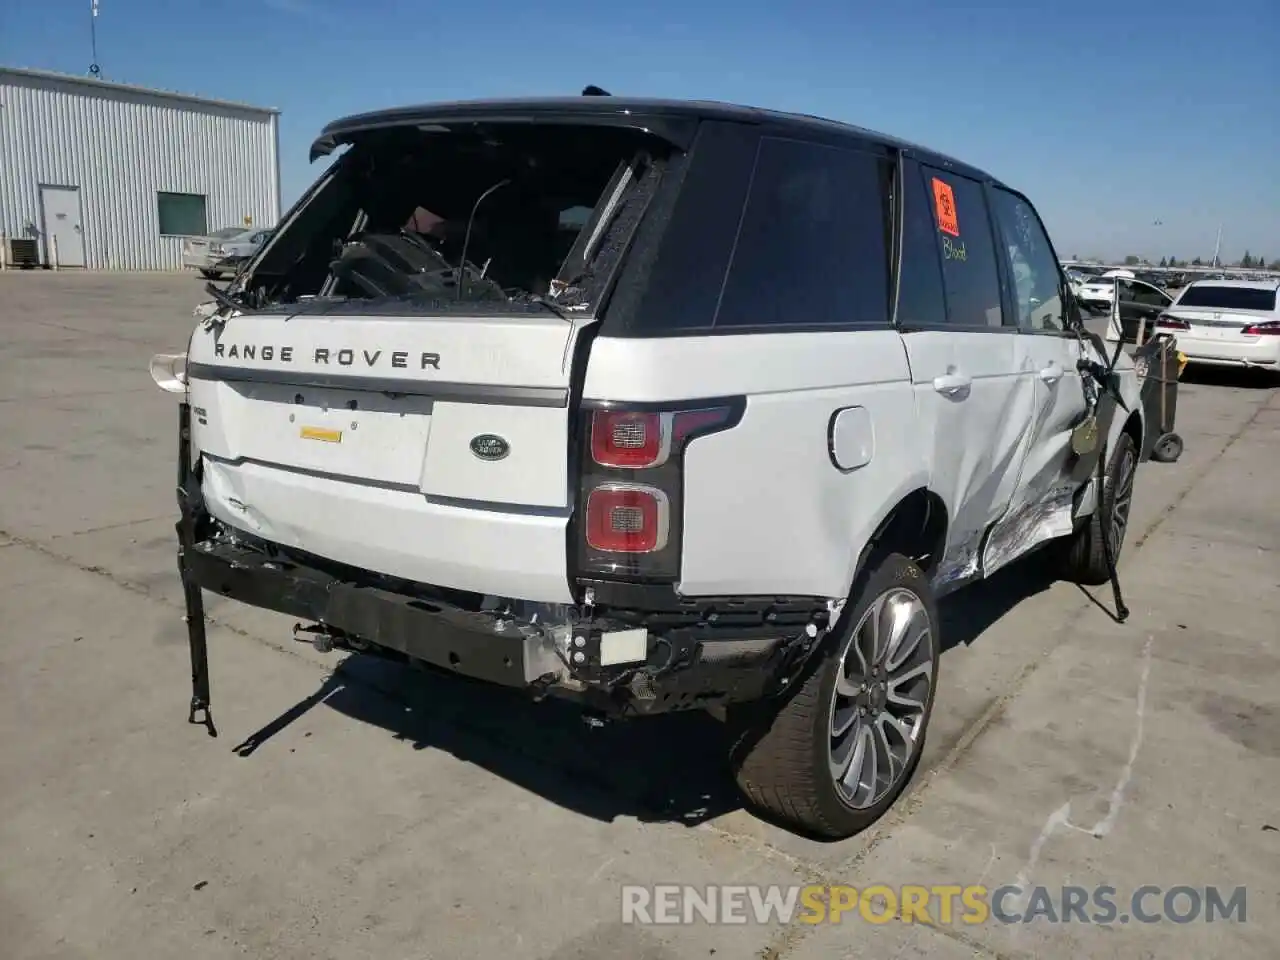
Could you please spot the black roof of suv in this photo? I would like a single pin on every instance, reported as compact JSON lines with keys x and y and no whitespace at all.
{"x":673,"y":120}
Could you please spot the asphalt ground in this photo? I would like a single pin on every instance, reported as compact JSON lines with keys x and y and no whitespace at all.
{"x":362,"y":810}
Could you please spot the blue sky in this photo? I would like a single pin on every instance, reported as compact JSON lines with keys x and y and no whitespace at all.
{"x":1031,"y":91}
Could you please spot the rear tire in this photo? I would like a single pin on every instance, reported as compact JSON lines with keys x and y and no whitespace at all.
{"x":836,"y":754}
{"x":209,"y":274}
{"x":1083,"y":558}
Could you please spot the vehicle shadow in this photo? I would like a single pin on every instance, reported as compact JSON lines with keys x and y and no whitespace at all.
{"x":966,"y":615}
{"x":668,"y":768}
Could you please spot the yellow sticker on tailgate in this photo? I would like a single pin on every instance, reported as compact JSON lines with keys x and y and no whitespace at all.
{"x":322,"y":434}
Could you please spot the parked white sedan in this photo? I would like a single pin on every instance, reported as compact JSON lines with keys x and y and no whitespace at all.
{"x":1233,"y":323}
{"x":1096,"y":293}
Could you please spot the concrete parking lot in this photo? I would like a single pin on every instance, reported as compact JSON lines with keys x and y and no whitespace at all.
{"x":363,"y":810}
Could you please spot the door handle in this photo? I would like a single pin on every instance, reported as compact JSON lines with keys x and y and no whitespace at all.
{"x":1052,"y":373}
{"x":952,"y":384}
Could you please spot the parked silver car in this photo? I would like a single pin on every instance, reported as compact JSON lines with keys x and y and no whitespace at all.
{"x":226,"y":257}
{"x":197,"y":252}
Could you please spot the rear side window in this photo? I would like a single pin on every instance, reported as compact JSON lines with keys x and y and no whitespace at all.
{"x":813,"y":245}
{"x":962,"y":235}
{"x":1228,"y":298}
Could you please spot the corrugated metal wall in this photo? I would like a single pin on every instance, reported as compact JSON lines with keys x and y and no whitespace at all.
{"x":122,"y":146}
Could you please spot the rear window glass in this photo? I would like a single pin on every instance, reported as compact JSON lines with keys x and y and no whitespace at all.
{"x":1228,"y":298}
{"x":813,"y":246}
{"x":496,"y":217}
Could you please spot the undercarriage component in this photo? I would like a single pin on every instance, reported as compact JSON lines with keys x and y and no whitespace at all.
{"x":691,"y":660}
{"x":188,"y":503}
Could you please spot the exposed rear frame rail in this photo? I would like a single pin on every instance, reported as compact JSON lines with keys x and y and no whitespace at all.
{"x":188,"y":506}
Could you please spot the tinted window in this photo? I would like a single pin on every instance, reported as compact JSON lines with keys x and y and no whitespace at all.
{"x":812,"y":248}
{"x":920,"y":297}
{"x":1228,"y":298}
{"x":1033,"y":269}
{"x":677,"y":267}
{"x":962,"y":233}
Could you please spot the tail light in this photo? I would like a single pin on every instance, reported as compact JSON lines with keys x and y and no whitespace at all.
{"x":1166,"y":322}
{"x":627,"y":518}
{"x":629,"y":440}
{"x":1268,"y":328}
{"x":632,"y":483}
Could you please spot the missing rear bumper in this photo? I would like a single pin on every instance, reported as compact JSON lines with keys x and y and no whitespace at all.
{"x":609,"y":660}
{"x":478,"y":644}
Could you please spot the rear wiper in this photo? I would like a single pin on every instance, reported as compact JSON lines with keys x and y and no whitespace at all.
{"x":558,"y":310}
{"x":311,"y":305}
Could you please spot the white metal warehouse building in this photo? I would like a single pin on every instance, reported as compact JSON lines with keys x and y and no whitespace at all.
{"x":111,"y":177}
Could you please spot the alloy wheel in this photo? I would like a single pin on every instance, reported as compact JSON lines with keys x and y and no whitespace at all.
{"x":883,"y":681}
{"x":1122,"y":501}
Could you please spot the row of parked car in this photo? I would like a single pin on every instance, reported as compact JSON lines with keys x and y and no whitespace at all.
{"x":1217,"y":320}
{"x":224,"y":252}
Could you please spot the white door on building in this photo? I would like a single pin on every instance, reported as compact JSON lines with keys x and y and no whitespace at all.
{"x":60,"y":207}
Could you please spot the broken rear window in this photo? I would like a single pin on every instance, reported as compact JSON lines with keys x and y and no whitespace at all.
{"x":473,"y":219}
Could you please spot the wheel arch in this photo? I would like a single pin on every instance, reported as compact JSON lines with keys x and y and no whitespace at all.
{"x":916,"y":526}
{"x":1135,"y":426}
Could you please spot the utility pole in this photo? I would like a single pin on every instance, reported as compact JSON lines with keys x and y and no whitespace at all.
{"x":94,"y":70}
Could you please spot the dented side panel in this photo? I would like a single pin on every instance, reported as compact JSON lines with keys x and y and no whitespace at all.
{"x":1041,"y":507}
{"x":976,"y":411}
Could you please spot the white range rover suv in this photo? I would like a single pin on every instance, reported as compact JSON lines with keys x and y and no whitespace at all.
{"x":655,"y":405}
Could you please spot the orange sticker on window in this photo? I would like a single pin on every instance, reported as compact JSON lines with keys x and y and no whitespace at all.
{"x":944,"y":203}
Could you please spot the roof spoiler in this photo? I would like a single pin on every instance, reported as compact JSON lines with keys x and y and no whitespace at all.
{"x":677,"y":127}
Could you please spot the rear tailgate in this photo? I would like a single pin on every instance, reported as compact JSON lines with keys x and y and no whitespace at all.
{"x":398,"y":399}
{"x":1209,"y":324}
{"x":430,"y":448}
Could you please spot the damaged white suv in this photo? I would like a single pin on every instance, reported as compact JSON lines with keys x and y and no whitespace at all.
{"x":655,"y":405}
